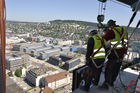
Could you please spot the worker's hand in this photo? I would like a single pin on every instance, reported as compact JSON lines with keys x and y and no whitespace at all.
{"x":88,"y":62}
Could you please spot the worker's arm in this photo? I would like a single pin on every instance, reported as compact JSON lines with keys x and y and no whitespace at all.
{"x":90,"y":46}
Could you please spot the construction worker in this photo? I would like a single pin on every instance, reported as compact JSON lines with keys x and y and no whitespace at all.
{"x":95,"y":57}
{"x":118,"y":37}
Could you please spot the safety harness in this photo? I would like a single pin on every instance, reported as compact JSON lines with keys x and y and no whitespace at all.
{"x":95,"y":52}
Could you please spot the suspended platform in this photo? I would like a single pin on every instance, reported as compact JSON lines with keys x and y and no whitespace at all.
{"x":127,"y":76}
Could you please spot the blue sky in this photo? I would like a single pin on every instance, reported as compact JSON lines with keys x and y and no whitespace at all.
{"x":84,"y":10}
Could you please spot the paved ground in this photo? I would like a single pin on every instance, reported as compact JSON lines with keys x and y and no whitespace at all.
{"x":21,"y":83}
{"x":12,"y":87}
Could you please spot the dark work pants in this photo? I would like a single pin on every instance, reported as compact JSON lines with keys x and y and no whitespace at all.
{"x":111,"y":71}
{"x":93,"y":73}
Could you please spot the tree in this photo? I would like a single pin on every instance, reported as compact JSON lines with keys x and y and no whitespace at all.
{"x":18,"y":72}
{"x":10,"y":74}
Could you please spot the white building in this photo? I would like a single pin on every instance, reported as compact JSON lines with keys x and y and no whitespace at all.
{"x":130,"y":56}
{"x":58,"y":80}
{"x":67,"y":42}
{"x":34,"y":75}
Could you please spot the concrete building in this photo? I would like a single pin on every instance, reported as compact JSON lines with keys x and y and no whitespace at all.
{"x":65,"y":49}
{"x":55,"y":60}
{"x":16,"y":47}
{"x":46,"y":54}
{"x":24,"y":35}
{"x":67,"y":42}
{"x":78,"y":42}
{"x":29,"y":47}
{"x":71,"y":63}
{"x":56,"y":46}
{"x":16,"y":61}
{"x":64,"y":61}
{"x":74,"y":49}
{"x":10,"y":41}
{"x":35,"y":52}
{"x":34,"y":75}
{"x":82,"y":50}
{"x":57,"y":80}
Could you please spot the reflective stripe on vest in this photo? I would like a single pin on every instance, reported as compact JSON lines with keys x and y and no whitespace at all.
{"x":98,"y":44}
{"x":114,"y":41}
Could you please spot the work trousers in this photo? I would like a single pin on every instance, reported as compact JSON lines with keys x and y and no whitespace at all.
{"x":112,"y":69}
{"x":93,"y":73}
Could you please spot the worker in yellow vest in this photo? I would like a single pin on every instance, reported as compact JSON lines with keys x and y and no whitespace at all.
{"x":95,"y":57}
{"x":118,"y":38}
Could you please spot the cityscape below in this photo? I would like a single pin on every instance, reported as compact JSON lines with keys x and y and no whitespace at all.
{"x":44,"y":55}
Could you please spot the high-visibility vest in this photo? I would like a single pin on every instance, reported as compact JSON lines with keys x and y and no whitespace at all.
{"x":118,"y":33}
{"x":99,"y":50}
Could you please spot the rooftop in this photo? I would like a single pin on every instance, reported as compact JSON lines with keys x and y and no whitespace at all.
{"x":56,"y":77}
{"x":42,"y":70}
{"x":51,"y":50}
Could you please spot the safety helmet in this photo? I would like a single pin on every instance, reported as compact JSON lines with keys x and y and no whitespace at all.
{"x":111,"y":22}
{"x":92,"y":31}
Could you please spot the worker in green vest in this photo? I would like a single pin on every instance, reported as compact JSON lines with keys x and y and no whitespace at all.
{"x":118,"y":37}
{"x":95,"y":58}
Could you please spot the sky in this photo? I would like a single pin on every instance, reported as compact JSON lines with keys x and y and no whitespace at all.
{"x":83,"y":10}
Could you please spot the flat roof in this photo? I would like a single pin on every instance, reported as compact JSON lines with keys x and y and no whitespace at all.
{"x":42,"y":70}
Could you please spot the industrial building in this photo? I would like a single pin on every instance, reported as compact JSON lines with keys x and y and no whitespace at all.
{"x":16,"y":61}
{"x":64,"y":61}
{"x":56,"y":46}
{"x":58,"y":60}
{"x":39,"y":49}
{"x":35,"y":52}
{"x":74,"y":49}
{"x":55,"y":60}
{"x":71,"y":63}
{"x":65,"y":42}
{"x":44,"y":55}
{"x":29,"y":47}
{"x":16,"y":47}
{"x":65,"y":49}
{"x":34,"y":75}
{"x":57,"y":80}
{"x":82,"y":50}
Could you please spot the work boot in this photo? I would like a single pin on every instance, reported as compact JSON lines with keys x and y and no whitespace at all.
{"x":93,"y":83}
{"x":104,"y":86}
{"x":83,"y":86}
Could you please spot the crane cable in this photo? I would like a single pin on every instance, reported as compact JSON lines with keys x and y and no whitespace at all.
{"x":101,"y":8}
{"x":134,"y":30}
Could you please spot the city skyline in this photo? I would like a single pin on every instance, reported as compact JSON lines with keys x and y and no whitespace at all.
{"x":46,"y":10}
